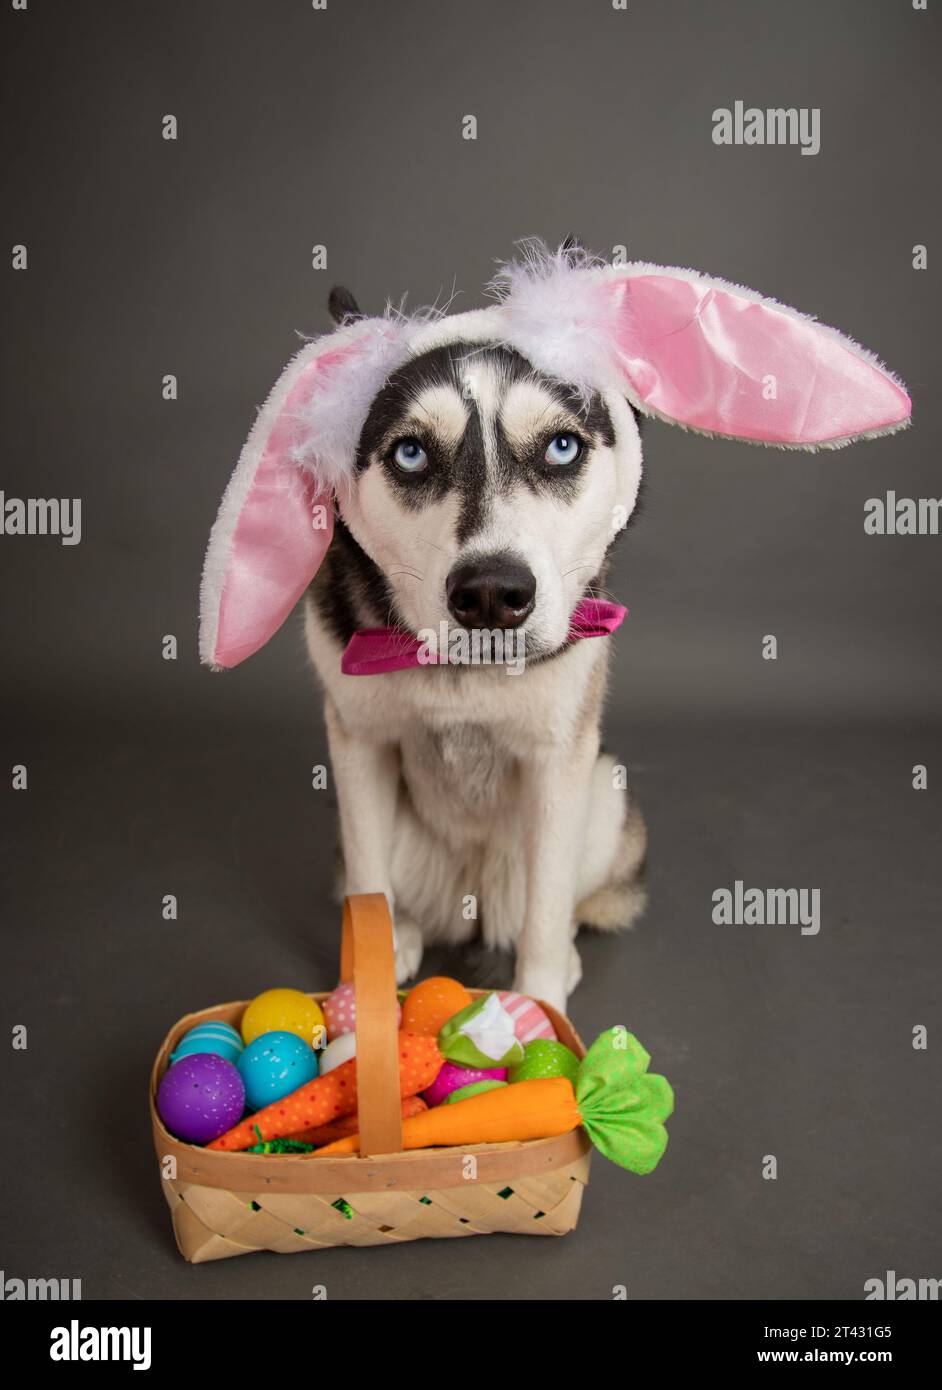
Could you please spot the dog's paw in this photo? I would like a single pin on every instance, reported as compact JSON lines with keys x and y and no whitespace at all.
{"x":409,"y":947}
{"x":541,"y":984}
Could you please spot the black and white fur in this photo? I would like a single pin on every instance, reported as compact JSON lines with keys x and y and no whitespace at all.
{"x":469,"y":796}
{"x":464,"y":785}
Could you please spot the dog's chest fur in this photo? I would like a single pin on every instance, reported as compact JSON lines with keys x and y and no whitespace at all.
{"x":458,"y":776}
{"x":461,"y":733}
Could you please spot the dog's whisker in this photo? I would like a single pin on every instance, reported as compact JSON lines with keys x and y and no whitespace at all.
{"x":601,"y":592}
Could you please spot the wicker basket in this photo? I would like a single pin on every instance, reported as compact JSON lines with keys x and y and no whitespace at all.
{"x":227,"y":1204}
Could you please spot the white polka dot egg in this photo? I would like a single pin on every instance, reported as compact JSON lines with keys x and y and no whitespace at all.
{"x":340,"y":1011}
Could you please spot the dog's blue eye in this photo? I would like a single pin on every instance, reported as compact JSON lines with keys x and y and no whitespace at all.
{"x":563,"y":448}
{"x":410,"y":457}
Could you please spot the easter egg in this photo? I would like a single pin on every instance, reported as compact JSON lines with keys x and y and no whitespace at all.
{"x":430,"y":1004}
{"x":338,"y":1052}
{"x":481,"y":1035}
{"x":543,"y":1057}
{"x":530,"y":1021}
{"x":275,"y":1064}
{"x":340,"y":1011}
{"x":282,"y":1010}
{"x":453,"y":1078}
{"x":200,"y":1097}
{"x":475,"y":1089}
{"x":214,"y":1036}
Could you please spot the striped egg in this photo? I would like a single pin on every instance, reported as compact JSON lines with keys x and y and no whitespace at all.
{"x":530,"y":1021}
{"x":215,"y":1037}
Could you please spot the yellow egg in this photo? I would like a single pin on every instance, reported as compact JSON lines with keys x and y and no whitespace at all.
{"x":285,"y":1010}
{"x":430,"y":1004}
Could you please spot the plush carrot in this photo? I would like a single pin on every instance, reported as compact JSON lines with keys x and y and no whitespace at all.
{"x":619,"y":1103}
{"x":349,"y":1124}
{"x":330,"y":1096}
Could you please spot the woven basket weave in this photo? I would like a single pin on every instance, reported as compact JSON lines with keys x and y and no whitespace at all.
{"x":226,"y":1204}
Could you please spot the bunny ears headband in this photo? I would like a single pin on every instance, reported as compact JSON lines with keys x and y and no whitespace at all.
{"x":694,"y":351}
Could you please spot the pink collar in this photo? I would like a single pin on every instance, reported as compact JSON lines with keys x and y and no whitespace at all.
{"x":376,"y":650}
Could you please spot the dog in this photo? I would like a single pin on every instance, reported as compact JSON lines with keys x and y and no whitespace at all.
{"x":417,"y":477}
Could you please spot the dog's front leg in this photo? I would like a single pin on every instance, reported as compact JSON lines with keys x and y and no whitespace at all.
{"x":556,"y":791}
{"x":366,"y":775}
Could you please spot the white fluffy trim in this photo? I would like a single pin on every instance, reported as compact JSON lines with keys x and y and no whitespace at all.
{"x":328,"y":427}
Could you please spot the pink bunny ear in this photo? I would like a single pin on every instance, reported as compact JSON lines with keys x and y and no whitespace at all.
{"x":702,"y":353}
{"x":276,"y":519}
{"x":724,"y":361}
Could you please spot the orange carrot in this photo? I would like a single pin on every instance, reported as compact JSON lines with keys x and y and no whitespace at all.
{"x":526,"y":1110}
{"x":349,"y":1124}
{"x":331,"y":1096}
{"x":620,"y":1105}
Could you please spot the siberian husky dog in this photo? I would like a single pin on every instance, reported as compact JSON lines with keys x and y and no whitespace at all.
{"x":475,"y":795}
{"x":468,"y":476}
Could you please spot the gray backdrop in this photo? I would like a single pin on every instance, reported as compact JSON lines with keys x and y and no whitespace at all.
{"x":148,"y":777}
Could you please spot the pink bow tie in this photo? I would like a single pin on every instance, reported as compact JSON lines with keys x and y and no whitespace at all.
{"x":376,"y":650}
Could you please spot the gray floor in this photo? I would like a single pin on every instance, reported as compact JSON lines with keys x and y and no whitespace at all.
{"x":776,"y":1043}
{"x":147,"y":777}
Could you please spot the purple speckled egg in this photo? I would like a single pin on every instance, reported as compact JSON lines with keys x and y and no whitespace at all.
{"x":452,"y":1077}
{"x":200,"y":1097}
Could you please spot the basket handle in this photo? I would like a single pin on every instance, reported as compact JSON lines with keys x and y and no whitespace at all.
{"x":366,"y":958}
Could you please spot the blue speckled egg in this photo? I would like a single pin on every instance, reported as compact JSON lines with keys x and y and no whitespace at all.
{"x":274,"y":1065}
{"x":221,"y":1039}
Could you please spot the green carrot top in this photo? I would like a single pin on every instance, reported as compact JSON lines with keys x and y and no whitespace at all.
{"x":623,"y":1105}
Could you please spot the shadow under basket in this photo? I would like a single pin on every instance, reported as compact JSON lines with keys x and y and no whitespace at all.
{"x":226,"y":1204}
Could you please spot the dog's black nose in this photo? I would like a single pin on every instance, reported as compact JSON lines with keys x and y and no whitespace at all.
{"x":495,"y":591}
